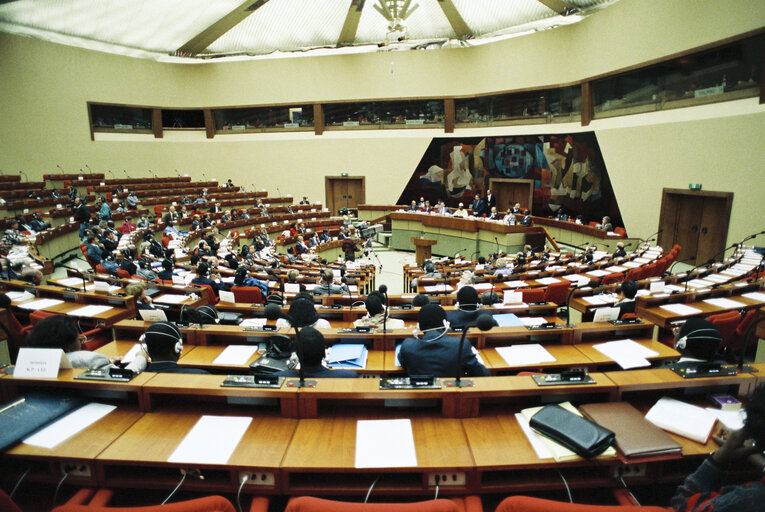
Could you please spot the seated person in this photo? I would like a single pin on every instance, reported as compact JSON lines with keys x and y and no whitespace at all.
{"x":704,"y":491}
{"x":60,"y":331}
{"x":375,"y":316}
{"x":494,"y":215}
{"x":436,"y":353}
{"x":242,"y":278}
{"x":164,"y":344}
{"x":313,"y":355}
{"x":620,"y":252}
{"x":300,"y":246}
{"x":502,"y":267}
{"x":627,"y":302}
{"x":166,"y":274}
{"x":698,"y":341}
{"x":420,"y":300}
{"x":527,"y":220}
{"x":328,"y":287}
{"x":605,"y":224}
{"x":303,"y":311}
{"x":467,"y":309}
{"x":138,"y":290}
{"x":460,"y":211}
{"x":430,"y":271}
{"x":214,"y":280}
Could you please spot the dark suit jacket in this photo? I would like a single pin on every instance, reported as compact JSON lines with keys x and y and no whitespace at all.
{"x":172,"y":367}
{"x":438,"y":357}
{"x":478,"y":207}
{"x":491,"y":201}
{"x":458,"y":318}
{"x":626,"y":307}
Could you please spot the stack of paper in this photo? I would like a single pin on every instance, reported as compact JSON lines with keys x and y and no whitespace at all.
{"x":89,"y":311}
{"x":69,"y":425}
{"x":682,"y":419}
{"x":531,"y":321}
{"x":385,"y":444}
{"x":725,"y":303}
{"x":626,"y":353}
{"x":680,"y":309}
{"x":212,"y":440}
{"x":236,"y":355}
{"x":525,"y":355}
{"x":40,"y":304}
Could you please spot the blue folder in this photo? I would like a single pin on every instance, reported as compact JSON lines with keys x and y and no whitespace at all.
{"x":352,"y":356}
{"x":35,"y":412}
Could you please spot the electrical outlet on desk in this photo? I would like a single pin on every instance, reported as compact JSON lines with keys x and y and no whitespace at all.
{"x":630,"y":471}
{"x":259,"y":478}
{"x":447,"y":479}
{"x":76,"y":469}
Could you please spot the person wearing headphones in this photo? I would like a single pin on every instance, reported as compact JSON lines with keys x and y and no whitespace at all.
{"x":375,"y":316}
{"x":436,"y":353}
{"x":164,"y":344}
{"x":60,"y":331}
{"x":303,"y":311}
{"x":467,"y":309}
{"x":314,"y":351}
{"x":698,"y":341}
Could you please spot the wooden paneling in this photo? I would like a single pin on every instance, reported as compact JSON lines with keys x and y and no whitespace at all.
{"x":586,"y":104}
{"x":515,"y":191}
{"x":318,"y":119}
{"x":209,"y":123}
{"x":156,"y":122}
{"x":344,"y":192}
{"x":449,"y":115}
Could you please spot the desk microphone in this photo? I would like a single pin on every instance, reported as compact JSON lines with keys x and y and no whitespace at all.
{"x":126,"y":173}
{"x":90,"y":171}
{"x":484,"y":322}
{"x":274,"y":312}
{"x":61,"y":168}
{"x":458,"y":252}
{"x":25,"y":175}
{"x":384,"y":290}
{"x":496,"y":242}
{"x":76,"y":270}
{"x":710,"y":261}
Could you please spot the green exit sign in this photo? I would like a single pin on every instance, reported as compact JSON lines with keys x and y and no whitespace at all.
{"x":343,"y":174}
{"x":694,"y":186}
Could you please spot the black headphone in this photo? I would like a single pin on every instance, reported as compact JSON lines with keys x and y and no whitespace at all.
{"x":177,"y":337}
{"x":681,"y":343}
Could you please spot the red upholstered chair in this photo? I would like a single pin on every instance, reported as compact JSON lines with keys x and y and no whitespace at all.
{"x":613,"y":278}
{"x":620,"y":231}
{"x":310,"y":504}
{"x":158,"y":210}
{"x":529,"y":504}
{"x":94,"y":338}
{"x":633,"y":274}
{"x":206,"y":504}
{"x":726,"y":323}
{"x":7,"y":504}
{"x":124,"y":274}
{"x":743,"y":326}
{"x":251,"y":294}
{"x":533,"y":295}
{"x":557,"y":292}
{"x":210,"y":293}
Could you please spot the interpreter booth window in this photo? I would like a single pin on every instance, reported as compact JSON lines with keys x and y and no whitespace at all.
{"x":121,"y":119}
{"x":183,"y":119}
{"x":378,"y":115}
{"x":531,"y":107}
{"x":263,"y":119}
{"x":727,"y":73}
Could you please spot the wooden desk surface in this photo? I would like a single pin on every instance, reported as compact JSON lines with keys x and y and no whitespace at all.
{"x":154,"y":437}
{"x":665,"y":353}
{"x":508,"y":386}
{"x":87,"y":443}
{"x":329,"y":444}
{"x":664,"y":378}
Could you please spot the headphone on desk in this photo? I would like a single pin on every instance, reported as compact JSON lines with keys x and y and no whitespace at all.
{"x":681,"y":343}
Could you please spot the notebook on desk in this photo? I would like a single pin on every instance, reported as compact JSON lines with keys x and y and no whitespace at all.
{"x":635,"y":436}
{"x":26,"y":414}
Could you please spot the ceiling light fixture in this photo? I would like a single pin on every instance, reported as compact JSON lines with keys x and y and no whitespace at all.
{"x":396,"y":12}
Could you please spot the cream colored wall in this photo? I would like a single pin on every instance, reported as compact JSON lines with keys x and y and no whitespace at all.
{"x":45,"y":87}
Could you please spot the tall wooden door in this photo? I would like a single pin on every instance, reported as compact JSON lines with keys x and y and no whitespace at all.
{"x":696,"y":220}
{"x":344,"y":192}
{"x":512,"y":191}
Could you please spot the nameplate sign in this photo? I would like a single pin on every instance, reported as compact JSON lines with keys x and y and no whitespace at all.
{"x":512,"y":297}
{"x":40,"y":363}
{"x":415,"y":121}
{"x":291,"y":125}
{"x":656,"y":287}
{"x":102,"y":286}
{"x":178,"y":280}
{"x":350,"y":123}
{"x":226,"y":296}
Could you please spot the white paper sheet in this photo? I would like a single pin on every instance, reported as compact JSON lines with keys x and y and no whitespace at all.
{"x":626,"y":353}
{"x":385,"y":444}
{"x":524,"y":355}
{"x":253,"y":322}
{"x":532,"y":320}
{"x":439,"y":288}
{"x":71,"y":282}
{"x":574,"y":278}
{"x":212,"y":440}
{"x":69,"y":425}
{"x":548,"y":280}
{"x":170,"y":298}
{"x":616,"y":268}
{"x":598,"y":300}
{"x":725,"y":303}
{"x":680,"y":309}
{"x":40,"y":304}
{"x":759,"y":297}
{"x":733,"y":420}
{"x":516,"y":284}
{"x":539,"y":447}
{"x":682,"y":418}
{"x":236,"y":354}
{"x":598,"y":273}
{"x":717,"y":278}
{"x":19,"y":296}
{"x":88,"y":311}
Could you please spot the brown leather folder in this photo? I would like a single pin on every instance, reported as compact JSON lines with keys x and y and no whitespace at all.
{"x":635,"y":436}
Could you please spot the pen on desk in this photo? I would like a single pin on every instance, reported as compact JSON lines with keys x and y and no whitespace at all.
{"x":14,"y":404}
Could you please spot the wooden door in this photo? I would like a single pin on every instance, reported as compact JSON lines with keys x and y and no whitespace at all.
{"x":512,"y":191}
{"x":344,"y":192}
{"x":697,"y":221}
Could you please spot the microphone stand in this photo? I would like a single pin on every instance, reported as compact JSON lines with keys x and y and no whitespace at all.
{"x":78,"y":271}
{"x":484,"y":323}
{"x":384,"y":290}
{"x":688,"y":276}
